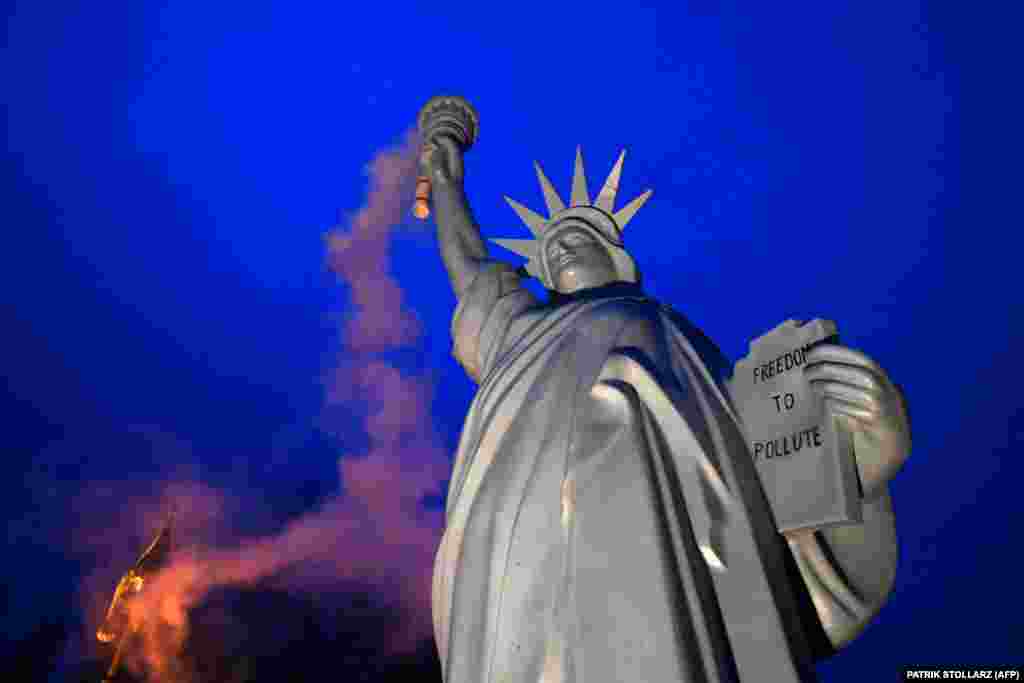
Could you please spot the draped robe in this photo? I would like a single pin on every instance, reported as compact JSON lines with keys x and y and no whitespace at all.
{"x":569,"y":552}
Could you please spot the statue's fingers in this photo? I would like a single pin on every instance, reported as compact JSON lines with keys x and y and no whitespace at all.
{"x":852,"y":412}
{"x":856,"y":376}
{"x":452,"y":153}
{"x":447,"y":142}
{"x":848,"y":394}
{"x":834,"y":353}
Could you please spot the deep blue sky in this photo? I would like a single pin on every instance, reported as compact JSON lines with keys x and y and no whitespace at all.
{"x":171,"y":170}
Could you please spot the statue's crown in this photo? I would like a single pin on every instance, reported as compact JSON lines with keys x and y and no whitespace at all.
{"x":600,"y":217}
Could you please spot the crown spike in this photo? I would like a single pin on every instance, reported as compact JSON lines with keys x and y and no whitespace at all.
{"x":551,"y":197}
{"x":606,"y":197}
{"x":535,"y":222}
{"x":626,"y":213}
{"x":525,"y":248}
{"x":579,"y":181}
{"x":533,"y":269}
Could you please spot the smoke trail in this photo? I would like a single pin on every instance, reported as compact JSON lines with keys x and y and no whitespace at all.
{"x":377,"y":530}
{"x":360,"y":255}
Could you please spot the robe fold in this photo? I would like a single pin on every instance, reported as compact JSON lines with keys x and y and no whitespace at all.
{"x":569,"y":553}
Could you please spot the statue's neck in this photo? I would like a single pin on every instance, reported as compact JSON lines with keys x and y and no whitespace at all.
{"x":614,"y":289}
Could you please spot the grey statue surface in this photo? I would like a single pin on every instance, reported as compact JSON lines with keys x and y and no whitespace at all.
{"x":604,"y":520}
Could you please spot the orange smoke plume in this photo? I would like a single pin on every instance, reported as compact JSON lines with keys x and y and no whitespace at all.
{"x":377,"y":530}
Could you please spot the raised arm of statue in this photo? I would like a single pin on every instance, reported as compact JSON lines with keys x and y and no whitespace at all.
{"x":462,"y":247}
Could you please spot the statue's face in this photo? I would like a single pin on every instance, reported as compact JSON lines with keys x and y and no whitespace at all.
{"x":576,"y":260}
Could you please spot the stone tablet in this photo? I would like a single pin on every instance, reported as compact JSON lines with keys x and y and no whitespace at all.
{"x":805,"y":461}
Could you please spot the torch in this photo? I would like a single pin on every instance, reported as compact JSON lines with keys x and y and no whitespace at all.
{"x":443,"y":115}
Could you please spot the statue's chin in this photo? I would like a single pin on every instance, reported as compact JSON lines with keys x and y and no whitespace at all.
{"x":573,"y":280}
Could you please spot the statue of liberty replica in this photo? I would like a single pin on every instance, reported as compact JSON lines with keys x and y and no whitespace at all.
{"x":606,"y":520}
